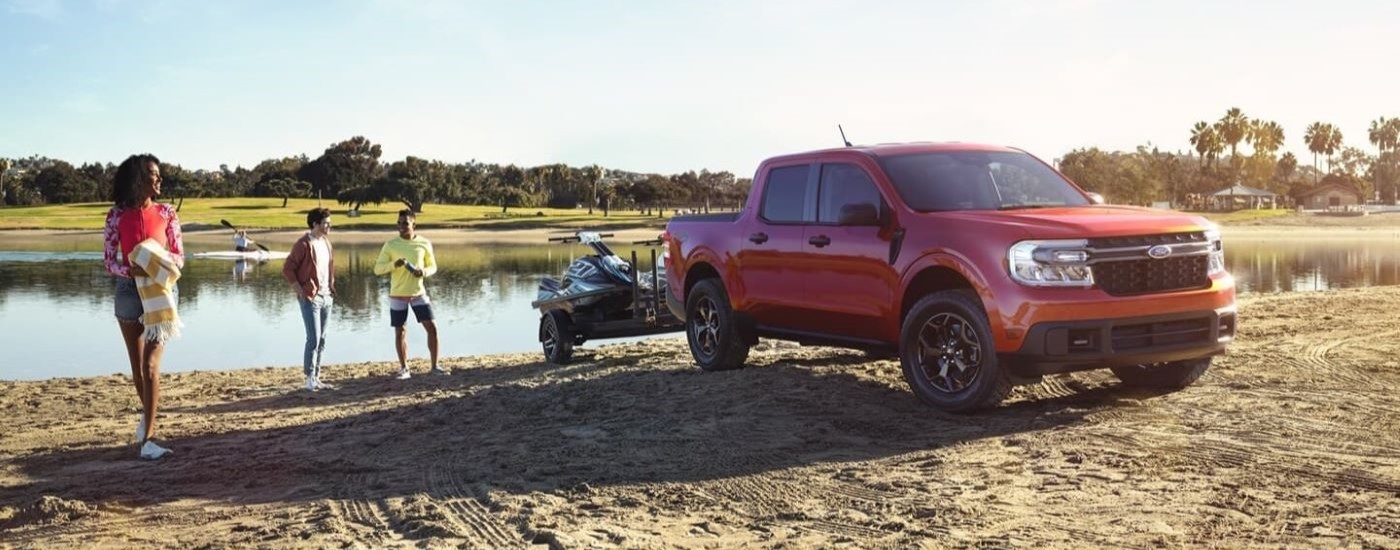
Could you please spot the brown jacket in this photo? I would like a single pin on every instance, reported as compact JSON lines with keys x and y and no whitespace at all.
{"x":300,"y":267}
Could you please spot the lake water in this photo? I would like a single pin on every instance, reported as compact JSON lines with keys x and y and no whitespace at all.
{"x":56,"y":305}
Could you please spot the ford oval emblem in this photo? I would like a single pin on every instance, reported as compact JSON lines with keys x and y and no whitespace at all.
{"x":1160,"y":251}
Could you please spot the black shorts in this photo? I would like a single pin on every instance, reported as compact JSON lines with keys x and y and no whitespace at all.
{"x":398,"y":310}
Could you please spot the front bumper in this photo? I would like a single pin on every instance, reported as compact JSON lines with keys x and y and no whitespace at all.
{"x":1066,"y":346}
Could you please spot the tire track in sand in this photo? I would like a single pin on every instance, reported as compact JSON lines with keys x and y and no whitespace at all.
{"x":470,"y":515}
{"x":353,"y":504}
{"x":1315,"y":358}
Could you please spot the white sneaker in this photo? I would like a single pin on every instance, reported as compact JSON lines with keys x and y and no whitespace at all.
{"x":403,"y":374}
{"x":322,"y":385}
{"x":442,"y":371}
{"x":151,"y":451}
{"x":311,"y":384}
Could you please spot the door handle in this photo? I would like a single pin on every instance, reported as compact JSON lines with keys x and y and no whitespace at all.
{"x":820,"y":240}
{"x":759,"y":238}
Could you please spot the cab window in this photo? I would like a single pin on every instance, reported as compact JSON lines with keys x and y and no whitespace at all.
{"x":847,"y":196}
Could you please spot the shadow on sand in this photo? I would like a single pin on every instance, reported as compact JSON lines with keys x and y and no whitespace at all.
{"x":608,"y":419}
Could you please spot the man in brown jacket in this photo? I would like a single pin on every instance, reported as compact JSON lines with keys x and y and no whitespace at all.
{"x":310,"y":269}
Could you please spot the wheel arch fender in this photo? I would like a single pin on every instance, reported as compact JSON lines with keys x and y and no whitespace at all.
{"x":945,"y":270}
{"x":703,"y":263}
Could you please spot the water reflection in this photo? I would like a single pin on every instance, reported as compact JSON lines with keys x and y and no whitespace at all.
{"x":59,"y":304}
{"x":1308,"y":265}
{"x":56,"y":305}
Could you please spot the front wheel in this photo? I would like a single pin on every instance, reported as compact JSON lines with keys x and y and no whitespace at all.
{"x":1172,"y":375}
{"x":714,"y":338}
{"x":948,"y":354}
{"x":557,"y":337}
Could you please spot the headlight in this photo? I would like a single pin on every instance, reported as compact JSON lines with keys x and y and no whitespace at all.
{"x":1215,"y":263}
{"x":1050,"y":263}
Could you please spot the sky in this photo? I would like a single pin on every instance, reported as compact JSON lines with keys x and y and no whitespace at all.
{"x":668,"y":86}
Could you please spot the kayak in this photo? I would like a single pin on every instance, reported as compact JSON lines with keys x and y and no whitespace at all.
{"x":251,"y":255}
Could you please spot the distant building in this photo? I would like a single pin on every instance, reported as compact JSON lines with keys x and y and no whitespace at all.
{"x":1240,"y":197}
{"x":1331,"y":196}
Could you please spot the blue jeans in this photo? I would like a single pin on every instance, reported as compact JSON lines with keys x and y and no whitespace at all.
{"x":313,"y":316}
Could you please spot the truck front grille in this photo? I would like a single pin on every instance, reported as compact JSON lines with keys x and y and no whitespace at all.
{"x":1123,"y":267}
{"x":1129,"y":277}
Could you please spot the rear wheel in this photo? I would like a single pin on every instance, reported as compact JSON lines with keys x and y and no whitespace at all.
{"x":1169,"y":375}
{"x":557,"y":337}
{"x":714,"y":338}
{"x":948,"y":355}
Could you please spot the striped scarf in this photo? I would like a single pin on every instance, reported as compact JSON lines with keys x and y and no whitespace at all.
{"x":156,"y":290}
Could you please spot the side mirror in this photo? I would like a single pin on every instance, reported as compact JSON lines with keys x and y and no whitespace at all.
{"x":861,"y":213}
{"x":1095,"y":198}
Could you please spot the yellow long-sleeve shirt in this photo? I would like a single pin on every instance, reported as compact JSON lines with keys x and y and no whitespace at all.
{"x":417,"y":251}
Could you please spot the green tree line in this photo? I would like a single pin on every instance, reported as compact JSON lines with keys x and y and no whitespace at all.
{"x":1234,"y":150}
{"x":351,"y":173}
{"x":1239,"y":150}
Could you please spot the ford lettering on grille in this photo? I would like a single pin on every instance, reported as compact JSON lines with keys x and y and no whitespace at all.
{"x":1160,"y":251}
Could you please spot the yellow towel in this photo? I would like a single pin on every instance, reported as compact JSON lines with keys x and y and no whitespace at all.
{"x":156,"y":290}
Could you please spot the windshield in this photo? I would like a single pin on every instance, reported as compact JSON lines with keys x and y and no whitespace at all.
{"x":978,"y":180}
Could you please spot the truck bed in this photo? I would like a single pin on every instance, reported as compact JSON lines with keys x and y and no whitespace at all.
{"x":730,"y":217}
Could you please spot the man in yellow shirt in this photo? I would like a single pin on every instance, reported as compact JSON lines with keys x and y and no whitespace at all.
{"x":408,"y":259}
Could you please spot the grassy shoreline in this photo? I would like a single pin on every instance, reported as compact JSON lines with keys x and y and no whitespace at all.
{"x":269,"y":214}
{"x":269,"y":222}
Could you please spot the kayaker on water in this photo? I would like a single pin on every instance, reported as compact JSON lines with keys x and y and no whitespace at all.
{"x":241,"y":242}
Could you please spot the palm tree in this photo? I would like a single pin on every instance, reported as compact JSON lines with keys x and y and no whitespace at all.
{"x":1316,"y":137}
{"x":1233,"y":127}
{"x":4,"y":167}
{"x":1266,"y":136}
{"x":1332,"y":145}
{"x":593,"y":173}
{"x":1284,"y":169}
{"x":1205,"y":140}
{"x":1384,"y":134}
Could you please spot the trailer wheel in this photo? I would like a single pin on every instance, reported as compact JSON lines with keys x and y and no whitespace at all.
{"x":714,"y":338}
{"x":557,"y":337}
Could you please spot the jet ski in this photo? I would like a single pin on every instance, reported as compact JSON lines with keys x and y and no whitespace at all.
{"x":596,"y":283}
{"x":600,"y":295}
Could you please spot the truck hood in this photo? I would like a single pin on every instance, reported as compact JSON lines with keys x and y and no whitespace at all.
{"x":1084,"y":221}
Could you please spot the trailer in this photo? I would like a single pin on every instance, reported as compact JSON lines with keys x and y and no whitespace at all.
{"x":602,"y":296}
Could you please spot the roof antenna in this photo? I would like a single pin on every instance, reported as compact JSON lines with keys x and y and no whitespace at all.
{"x":843,"y":136}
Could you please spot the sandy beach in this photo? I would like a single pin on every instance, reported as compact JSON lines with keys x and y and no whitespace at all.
{"x":1291,"y":440}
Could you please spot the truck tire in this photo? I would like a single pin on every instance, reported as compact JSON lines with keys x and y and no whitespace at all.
{"x":557,"y":337}
{"x":948,"y":355}
{"x":1172,"y":375}
{"x":714,"y":337}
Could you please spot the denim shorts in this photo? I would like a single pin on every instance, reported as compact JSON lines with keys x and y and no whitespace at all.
{"x":128,"y":301}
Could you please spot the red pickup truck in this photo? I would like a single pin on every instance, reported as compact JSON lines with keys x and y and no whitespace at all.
{"x":980,"y":266}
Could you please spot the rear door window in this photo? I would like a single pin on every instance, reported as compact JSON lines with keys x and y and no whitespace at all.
{"x":785,"y":194}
